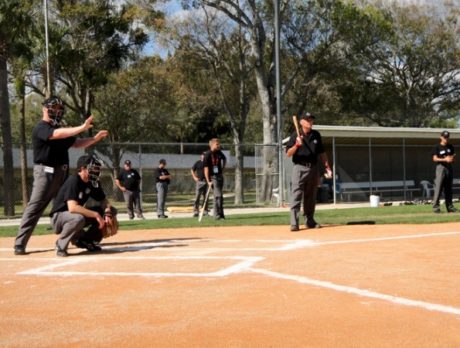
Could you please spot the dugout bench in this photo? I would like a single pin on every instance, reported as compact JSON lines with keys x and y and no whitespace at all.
{"x":381,"y":188}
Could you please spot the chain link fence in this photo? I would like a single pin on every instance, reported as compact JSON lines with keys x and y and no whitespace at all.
{"x":395,"y":171}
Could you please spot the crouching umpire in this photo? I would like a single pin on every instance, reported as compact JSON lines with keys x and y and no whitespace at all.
{"x":69,"y":215}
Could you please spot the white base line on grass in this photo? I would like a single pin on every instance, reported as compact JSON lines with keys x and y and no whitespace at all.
{"x":360,"y":292}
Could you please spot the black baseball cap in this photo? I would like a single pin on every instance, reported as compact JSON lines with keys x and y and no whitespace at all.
{"x":128,"y":162}
{"x":83,"y":161}
{"x":445,"y":134}
{"x":162,"y":161}
{"x":307,"y":115}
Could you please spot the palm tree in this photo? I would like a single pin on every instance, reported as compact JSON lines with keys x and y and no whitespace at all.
{"x":15,"y":17}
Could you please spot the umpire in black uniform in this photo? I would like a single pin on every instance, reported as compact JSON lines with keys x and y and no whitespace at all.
{"x":305,"y":151}
{"x":214,"y":165}
{"x":443,"y":156}
{"x":70,"y":215}
{"x":128,"y":181}
{"x":51,"y":157}
{"x":162,"y":178}
{"x":201,"y":186}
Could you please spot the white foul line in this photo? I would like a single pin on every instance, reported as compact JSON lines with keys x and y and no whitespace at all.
{"x":380,"y":239}
{"x":360,"y":292}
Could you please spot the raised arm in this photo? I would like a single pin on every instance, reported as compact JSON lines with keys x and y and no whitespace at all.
{"x":67,"y":132}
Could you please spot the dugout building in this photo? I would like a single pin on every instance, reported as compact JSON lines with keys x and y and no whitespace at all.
{"x":395,"y":163}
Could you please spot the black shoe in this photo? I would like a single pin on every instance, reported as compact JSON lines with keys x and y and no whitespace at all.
{"x":19,"y":250}
{"x":61,"y":252}
{"x":436,"y":210}
{"x":195,"y":214}
{"x":452,"y":209}
{"x":141,"y":217}
{"x":294,"y":228}
{"x":87,"y":245}
{"x":95,"y":247}
{"x":162,"y":216}
{"x":131,"y":217}
{"x":311,"y":223}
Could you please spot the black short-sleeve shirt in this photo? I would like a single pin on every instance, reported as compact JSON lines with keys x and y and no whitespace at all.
{"x":215,"y":161}
{"x":198,"y":168}
{"x":50,"y":152}
{"x":160,"y":172}
{"x":130,"y":179}
{"x":75,"y":189}
{"x":443,"y":151}
{"x":312,"y":146}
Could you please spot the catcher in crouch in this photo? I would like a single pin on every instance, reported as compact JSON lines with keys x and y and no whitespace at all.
{"x":69,"y":215}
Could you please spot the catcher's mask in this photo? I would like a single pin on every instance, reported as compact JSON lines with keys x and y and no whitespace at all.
{"x":93,"y":164}
{"x":55,"y":107}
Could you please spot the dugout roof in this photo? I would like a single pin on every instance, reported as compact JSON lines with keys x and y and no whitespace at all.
{"x":384,"y":135}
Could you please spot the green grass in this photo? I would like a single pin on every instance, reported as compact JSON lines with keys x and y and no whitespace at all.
{"x":149,"y":203}
{"x":416,"y":214}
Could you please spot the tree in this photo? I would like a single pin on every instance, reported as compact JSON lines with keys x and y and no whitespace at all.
{"x":134,"y":104}
{"x":207,"y":37}
{"x":410,"y":76}
{"x":89,"y":41}
{"x":308,"y":39}
{"x":15,"y":18}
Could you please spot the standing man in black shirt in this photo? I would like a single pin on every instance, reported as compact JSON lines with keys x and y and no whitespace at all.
{"x":214,"y":165}
{"x":163,"y":178}
{"x":128,"y":181}
{"x":201,"y":185}
{"x":443,"y":156}
{"x":305,"y":150}
{"x":51,"y":158}
{"x":69,"y":215}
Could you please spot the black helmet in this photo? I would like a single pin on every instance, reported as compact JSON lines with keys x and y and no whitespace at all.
{"x":55,"y":107}
{"x":93,"y":164}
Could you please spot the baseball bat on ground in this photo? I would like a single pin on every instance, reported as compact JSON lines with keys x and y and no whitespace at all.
{"x":204,"y":203}
{"x":296,"y":125}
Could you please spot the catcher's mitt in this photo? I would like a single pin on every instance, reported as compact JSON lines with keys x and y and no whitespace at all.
{"x":111,"y":224}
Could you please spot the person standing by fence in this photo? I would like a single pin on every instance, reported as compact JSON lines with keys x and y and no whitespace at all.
{"x":51,"y":145}
{"x":443,"y":156}
{"x":201,"y":185}
{"x":129,"y":181}
{"x":163,"y":178}
{"x":214,"y":165}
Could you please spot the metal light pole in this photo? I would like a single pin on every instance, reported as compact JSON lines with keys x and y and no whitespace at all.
{"x":278,"y":103}
{"x":48,"y":80}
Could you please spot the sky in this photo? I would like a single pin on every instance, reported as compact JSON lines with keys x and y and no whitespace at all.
{"x":173,"y":8}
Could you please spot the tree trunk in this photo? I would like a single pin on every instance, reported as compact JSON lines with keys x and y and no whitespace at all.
{"x":23,"y":151}
{"x":115,"y":157}
{"x":239,"y":165}
{"x":5,"y":120}
{"x":268,"y":135}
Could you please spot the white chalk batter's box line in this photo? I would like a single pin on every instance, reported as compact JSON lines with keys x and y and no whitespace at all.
{"x":243,"y":264}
